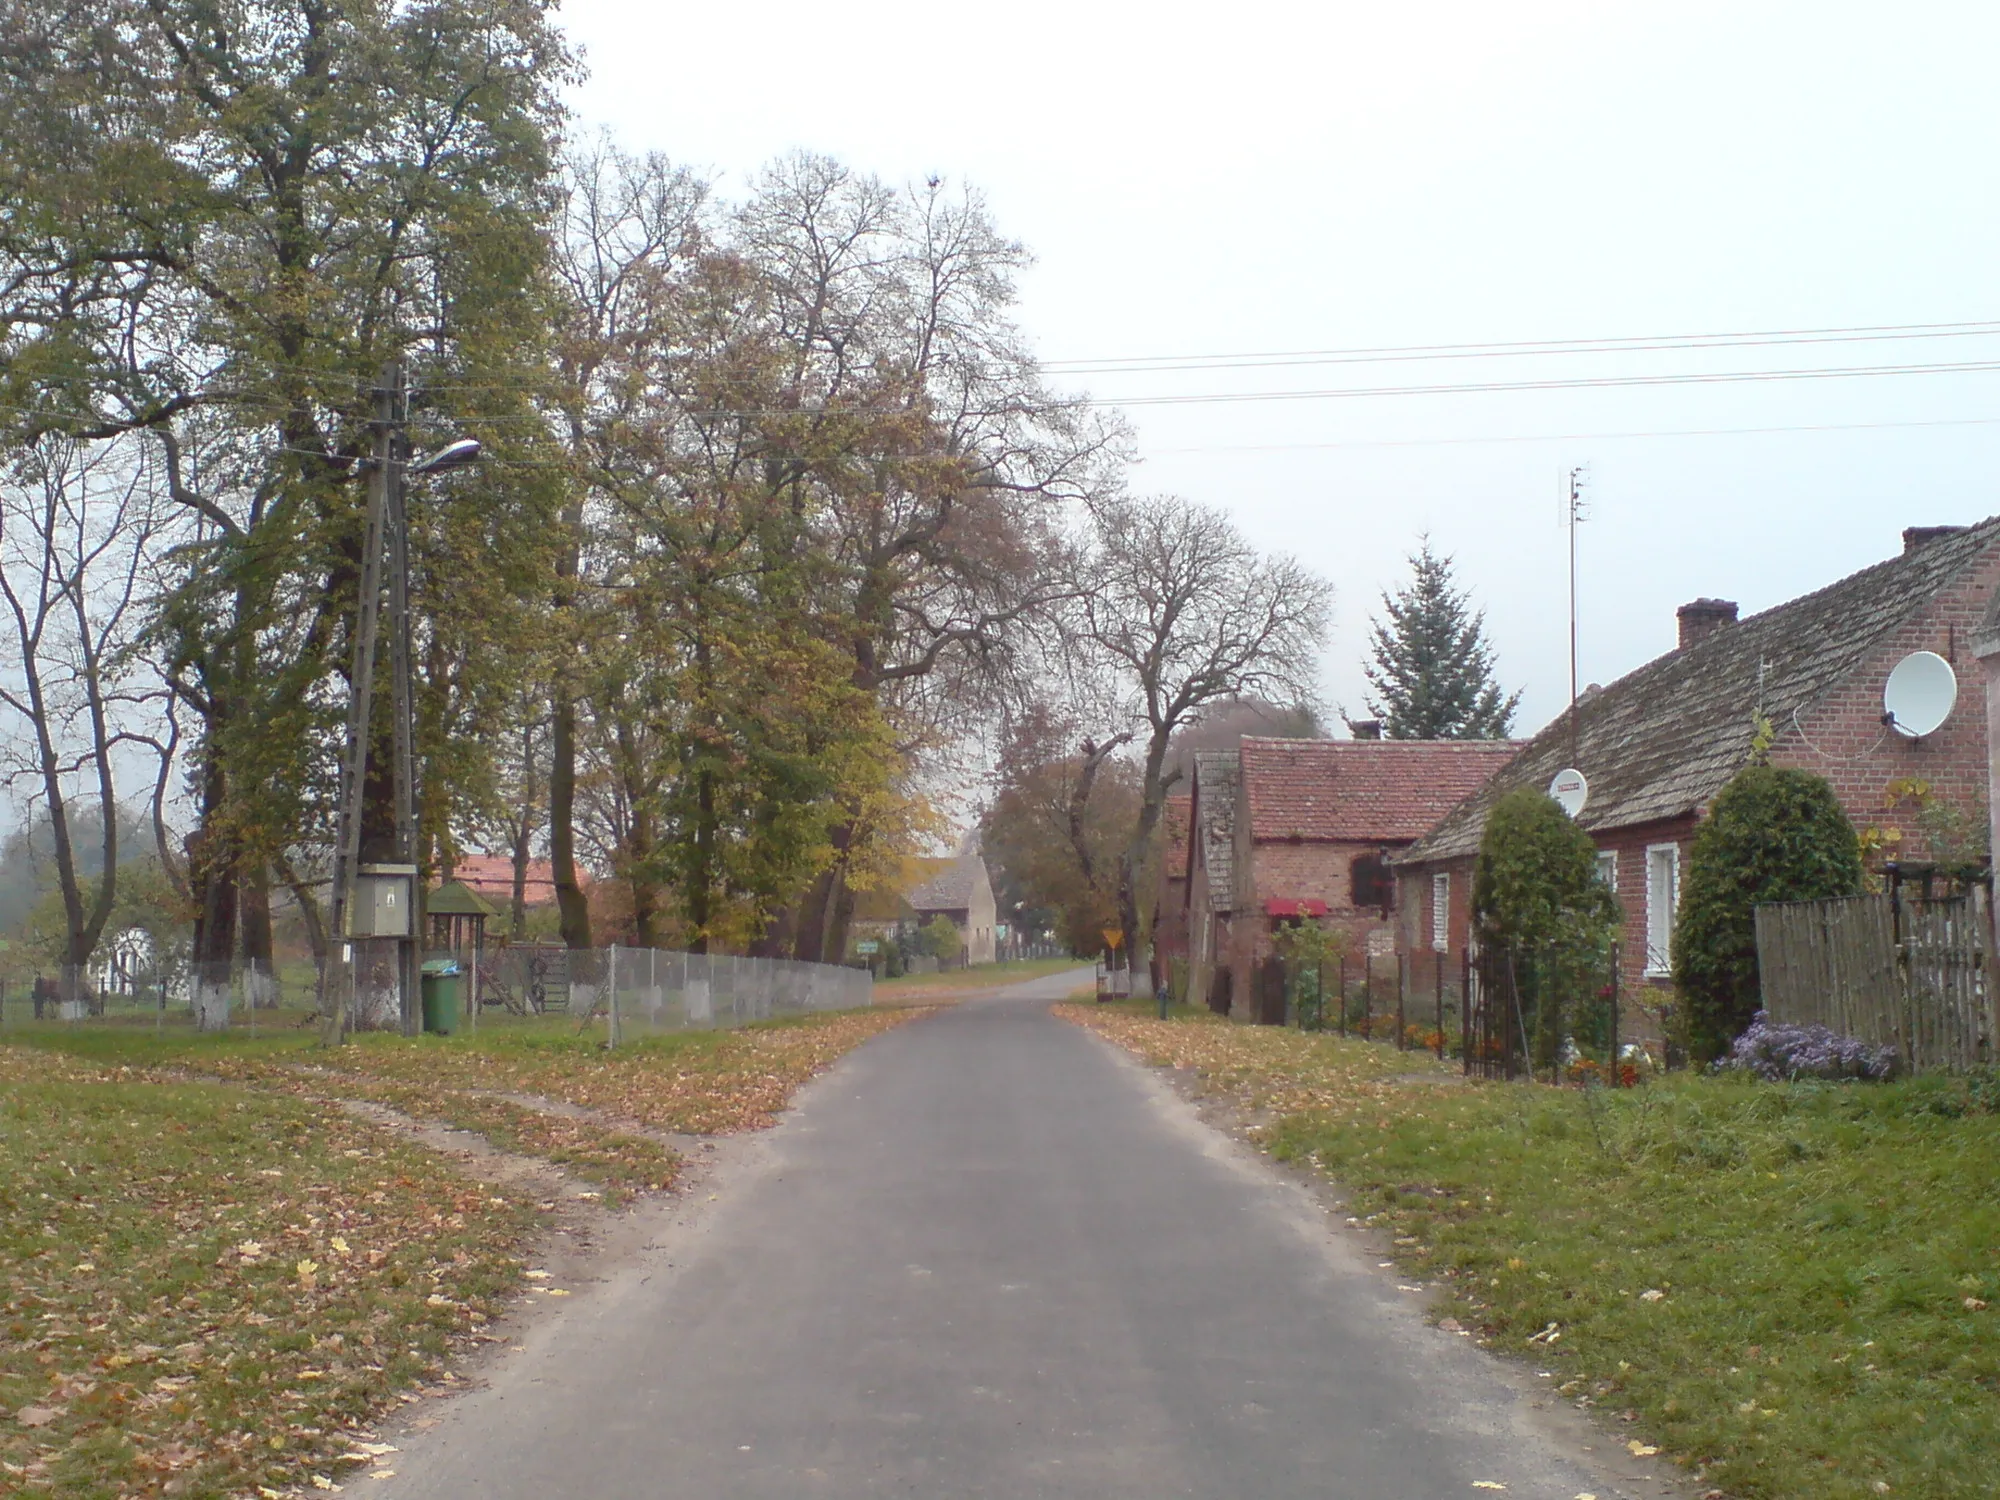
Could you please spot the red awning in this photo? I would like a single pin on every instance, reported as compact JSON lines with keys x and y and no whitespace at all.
{"x":1277,"y":906}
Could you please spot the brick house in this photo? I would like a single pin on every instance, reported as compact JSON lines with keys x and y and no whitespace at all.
{"x":1170,"y":914}
{"x":1659,"y":743}
{"x":1316,"y":824}
{"x":1210,"y":892}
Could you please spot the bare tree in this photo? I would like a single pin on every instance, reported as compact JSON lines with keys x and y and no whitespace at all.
{"x":1180,"y":613}
{"x":76,"y":523}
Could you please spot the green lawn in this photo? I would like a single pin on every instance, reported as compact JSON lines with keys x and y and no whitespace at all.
{"x":1826,"y":1258}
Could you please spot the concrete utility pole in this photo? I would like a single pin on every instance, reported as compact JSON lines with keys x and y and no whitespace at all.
{"x":337,"y":983}
{"x":409,"y":950}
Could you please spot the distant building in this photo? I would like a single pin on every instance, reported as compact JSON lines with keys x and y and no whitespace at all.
{"x":1315,"y":827}
{"x":1658,"y":744}
{"x":1210,"y":893}
{"x":1170,"y":914}
{"x":963,"y":893}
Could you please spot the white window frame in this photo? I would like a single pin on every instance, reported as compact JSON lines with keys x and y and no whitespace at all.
{"x":1662,"y":907}
{"x":1607,"y":869}
{"x":1441,"y":912}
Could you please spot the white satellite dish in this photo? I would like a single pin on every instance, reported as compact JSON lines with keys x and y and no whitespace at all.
{"x":1919,"y":694}
{"x":1570,"y":790}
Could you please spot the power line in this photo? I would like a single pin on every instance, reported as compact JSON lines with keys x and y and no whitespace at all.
{"x":1580,"y":437}
{"x":1526,"y":347}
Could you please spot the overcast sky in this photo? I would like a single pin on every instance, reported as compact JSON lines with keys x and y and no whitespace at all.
{"x":1258,"y":178}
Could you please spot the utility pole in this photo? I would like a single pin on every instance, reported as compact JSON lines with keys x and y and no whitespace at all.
{"x":409,"y":951}
{"x":337,"y":983}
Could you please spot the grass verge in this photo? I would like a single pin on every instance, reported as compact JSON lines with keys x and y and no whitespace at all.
{"x":1792,"y":1289}
{"x":212,"y":1276}
{"x":210,"y":1289}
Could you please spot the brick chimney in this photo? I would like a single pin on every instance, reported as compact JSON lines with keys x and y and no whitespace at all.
{"x":1922,"y":536}
{"x":1365,"y":729}
{"x":1702,"y":618}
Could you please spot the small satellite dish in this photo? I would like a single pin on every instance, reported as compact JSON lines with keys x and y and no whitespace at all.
{"x":1570,"y":790}
{"x":1919,"y":694}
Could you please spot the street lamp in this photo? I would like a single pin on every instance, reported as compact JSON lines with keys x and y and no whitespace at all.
{"x":382,"y":914}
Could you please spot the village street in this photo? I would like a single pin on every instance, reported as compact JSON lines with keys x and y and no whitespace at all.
{"x":989,"y":1256}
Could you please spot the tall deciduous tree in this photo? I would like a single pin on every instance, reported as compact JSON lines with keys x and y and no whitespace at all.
{"x":225,"y":218}
{"x":1431,"y":669}
{"x":1177,"y":612}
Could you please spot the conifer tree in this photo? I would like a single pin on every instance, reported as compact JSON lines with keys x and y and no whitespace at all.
{"x":1432,"y":673}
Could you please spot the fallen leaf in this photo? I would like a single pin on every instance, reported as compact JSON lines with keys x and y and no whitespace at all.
{"x":321,"y":1482}
{"x":35,"y":1416}
{"x":1652,"y":1294}
{"x":250,"y":1249}
{"x":87,"y":1266}
{"x":383,"y":1474}
{"x":556,"y":1291}
{"x":538,"y":1275}
{"x":1488,"y":1484}
{"x":340,"y":1245}
{"x":1641,"y":1450}
{"x":376,"y":1450}
{"x":1972,"y":1304}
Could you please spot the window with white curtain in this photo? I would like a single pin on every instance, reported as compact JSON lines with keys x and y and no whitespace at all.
{"x":1663,"y":895}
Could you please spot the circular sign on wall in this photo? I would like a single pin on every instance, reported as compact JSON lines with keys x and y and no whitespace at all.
{"x":1570,"y":790}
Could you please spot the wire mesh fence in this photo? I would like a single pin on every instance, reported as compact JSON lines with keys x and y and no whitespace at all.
{"x":630,"y":992}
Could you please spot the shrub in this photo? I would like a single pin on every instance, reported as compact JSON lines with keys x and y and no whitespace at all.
{"x":1783,"y":1054}
{"x":1772,"y":834}
{"x":1537,"y":893}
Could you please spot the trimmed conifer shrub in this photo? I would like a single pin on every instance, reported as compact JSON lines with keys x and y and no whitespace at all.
{"x":1772,"y":834}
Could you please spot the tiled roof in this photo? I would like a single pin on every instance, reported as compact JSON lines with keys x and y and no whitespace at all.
{"x":1362,"y":790}
{"x":952,"y":887}
{"x":1215,"y":776}
{"x":1661,"y":741}
{"x":1174,"y":818}
{"x":492,"y":875}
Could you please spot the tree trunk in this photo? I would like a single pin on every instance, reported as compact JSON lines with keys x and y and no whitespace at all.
{"x":570,"y":901}
{"x":261,"y":976}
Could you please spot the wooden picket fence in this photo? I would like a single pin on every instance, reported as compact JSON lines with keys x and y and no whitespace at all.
{"x":1890,"y":969}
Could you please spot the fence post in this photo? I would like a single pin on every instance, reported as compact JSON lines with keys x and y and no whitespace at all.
{"x":1465,"y":1008}
{"x":1343,"y":992}
{"x":1617,"y":1066}
{"x":1437,"y":969}
{"x":611,"y":985}
{"x":1402,"y":992}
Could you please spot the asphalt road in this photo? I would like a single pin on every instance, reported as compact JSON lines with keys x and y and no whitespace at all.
{"x":990,"y":1256}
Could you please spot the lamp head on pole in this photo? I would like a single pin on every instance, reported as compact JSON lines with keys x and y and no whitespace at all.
{"x":453,"y":455}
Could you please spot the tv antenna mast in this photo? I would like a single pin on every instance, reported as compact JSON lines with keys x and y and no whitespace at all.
{"x":1574,"y":513}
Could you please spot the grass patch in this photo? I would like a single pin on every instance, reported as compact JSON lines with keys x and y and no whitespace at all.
{"x":210,"y":1288}
{"x":211,"y":1275}
{"x":1828,"y":1256}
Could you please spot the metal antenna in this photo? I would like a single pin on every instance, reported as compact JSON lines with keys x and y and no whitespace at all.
{"x":1574,"y":513}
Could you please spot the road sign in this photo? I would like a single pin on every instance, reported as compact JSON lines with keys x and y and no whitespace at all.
{"x":867,"y":945}
{"x":1114,"y":937}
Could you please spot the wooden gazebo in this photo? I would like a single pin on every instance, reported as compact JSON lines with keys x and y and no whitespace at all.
{"x":458,"y":916}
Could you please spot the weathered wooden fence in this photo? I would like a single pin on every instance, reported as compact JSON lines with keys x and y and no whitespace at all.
{"x":1892,"y":969}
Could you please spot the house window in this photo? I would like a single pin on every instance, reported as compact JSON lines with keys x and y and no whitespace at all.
{"x":1440,"y":913}
{"x":1607,"y":869}
{"x":1663,"y":894}
{"x":1370,"y":883}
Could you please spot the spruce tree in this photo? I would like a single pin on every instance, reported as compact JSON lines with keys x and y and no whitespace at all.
{"x":1432,"y":673}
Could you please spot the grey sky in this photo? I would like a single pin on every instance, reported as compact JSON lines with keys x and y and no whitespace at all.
{"x":1263,"y":177}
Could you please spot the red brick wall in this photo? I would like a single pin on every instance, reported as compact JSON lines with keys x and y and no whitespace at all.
{"x":1844,"y":739}
{"x":1300,"y":871}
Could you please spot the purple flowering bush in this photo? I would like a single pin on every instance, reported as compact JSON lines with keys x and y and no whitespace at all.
{"x":1779,"y":1053}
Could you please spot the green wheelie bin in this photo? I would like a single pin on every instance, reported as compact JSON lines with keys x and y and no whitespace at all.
{"x":442,"y":981}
